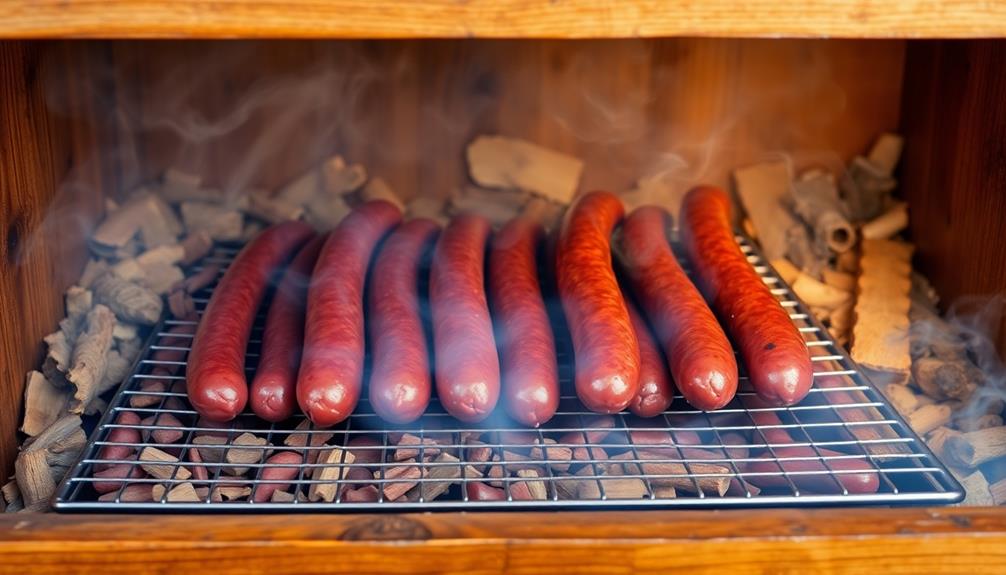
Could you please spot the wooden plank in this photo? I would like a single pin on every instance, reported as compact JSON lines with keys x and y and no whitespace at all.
{"x":952,"y":540}
{"x":49,"y":197}
{"x":507,"y":18}
{"x":954,"y":172}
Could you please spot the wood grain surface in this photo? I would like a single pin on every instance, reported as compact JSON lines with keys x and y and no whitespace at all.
{"x":954,"y":173}
{"x":501,"y":19}
{"x":970,"y":541}
{"x":49,"y":198}
{"x":259,"y":113}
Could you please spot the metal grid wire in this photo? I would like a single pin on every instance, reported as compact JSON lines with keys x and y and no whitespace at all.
{"x":742,"y":455}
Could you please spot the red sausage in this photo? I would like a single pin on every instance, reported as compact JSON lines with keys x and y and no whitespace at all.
{"x":858,"y":475}
{"x":127,"y":434}
{"x":215,"y":375}
{"x":273,"y":389}
{"x":701,"y":360}
{"x":774,"y":352}
{"x":655,"y":390}
{"x":527,"y":347}
{"x":604,"y":344}
{"x":467,"y":366}
{"x":400,"y":383}
{"x":331,"y":369}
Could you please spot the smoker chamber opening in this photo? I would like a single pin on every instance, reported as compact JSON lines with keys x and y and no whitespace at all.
{"x":577,"y":460}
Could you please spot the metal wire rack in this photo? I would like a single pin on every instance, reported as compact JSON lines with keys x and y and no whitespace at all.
{"x":842,"y":445}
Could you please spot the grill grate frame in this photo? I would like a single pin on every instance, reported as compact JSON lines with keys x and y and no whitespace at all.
{"x":846,"y":415}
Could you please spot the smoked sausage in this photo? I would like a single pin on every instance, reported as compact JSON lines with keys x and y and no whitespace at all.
{"x":655,"y":390}
{"x":801,"y":461}
{"x":605,"y":349}
{"x":467,"y":365}
{"x":400,"y":381}
{"x":331,"y":369}
{"x":274,"y":387}
{"x":530,"y":370}
{"x":701,"y":360}
{"x":773,"y":350}
{"x":215,"y":375}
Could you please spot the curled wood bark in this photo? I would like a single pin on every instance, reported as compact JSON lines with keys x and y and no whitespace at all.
{"x":44,"y":403}
{"x":130,"y":302}
{"x":90,"y":357}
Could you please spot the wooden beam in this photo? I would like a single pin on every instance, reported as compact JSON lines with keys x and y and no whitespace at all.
{"x":950,"y":540}
{"x":501,"y":19}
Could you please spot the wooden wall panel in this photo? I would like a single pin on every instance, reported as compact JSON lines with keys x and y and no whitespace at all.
{"x":954,"y":172}
{"x":50,"y":196}
{"x":406,"y":109}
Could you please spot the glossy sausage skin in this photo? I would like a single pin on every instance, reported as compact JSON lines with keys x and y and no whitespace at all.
{"x":400,"y":381}
{"x":215,"y":375}
{"x":655,"y":390}
{"x":605,"y":348}
{"x":774,"y":352}
{"x":701,"y":360}
{"x":467,"y":365}
{"x":274,"y":387}
{"x":331,"y":369}
{"x":857,"y":475}
{"x":524,"y":335}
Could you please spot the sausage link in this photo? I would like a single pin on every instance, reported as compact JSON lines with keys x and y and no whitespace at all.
{"x":701,"y":360}
{"x":854,"y":475}
{"x":215,"y":375}
{"x":274,"y":387}
{"x":655,"y":389}
{"x":400,"y":383}
{"x":774,"y":352}
{"x":527,"y":347}
{"x":467,"y":366}
{"x":605,"y":348}
{"x":331,"y":369}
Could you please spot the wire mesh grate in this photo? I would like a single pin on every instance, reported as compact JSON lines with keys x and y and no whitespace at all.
{"x":842,"y":445}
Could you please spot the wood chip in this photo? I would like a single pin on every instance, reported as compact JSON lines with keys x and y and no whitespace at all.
{"x":338,"y":178}
{"x":220,"y":222}
{"x":929,"y":417}
{"x":246,"y":449}
{"x":44,"y":460}
{"x":272,"y":209}
{"x":335,"y":463}
{"x":763,"y":189}
{"x":44,"y":403}
{"x":399,"y":480}
{"x":230,"y":493}
{"x":129,"y":301}
{"x":450,"y":473}
{"x":309,"y":438}
{"x":183,"y":492}
{"x":886,"y":152}
{"x":941,"y":379}
{"x":149,"y":458}
{"x":500,"y":162}
{"x":135,"y":493}
{"x":533,"y":489}
{"x":902,"y":398}
{"x":89,"y":358}
{"x":880,"y":334}
{"x":196,"y":246}
{"x":977,"y":447}
{"x":819,"y":294}
{"x":406,"y":451}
